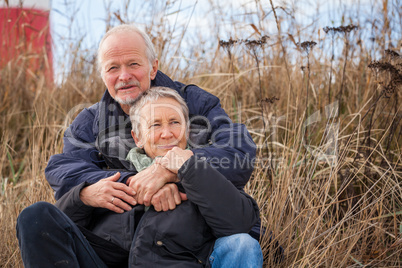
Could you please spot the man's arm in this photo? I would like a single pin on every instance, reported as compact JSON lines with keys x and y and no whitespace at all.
{"x":231,"y":150}
{"x":79,"y":161}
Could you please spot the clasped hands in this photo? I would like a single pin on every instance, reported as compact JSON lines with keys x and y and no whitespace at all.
{"x":153,"y":186}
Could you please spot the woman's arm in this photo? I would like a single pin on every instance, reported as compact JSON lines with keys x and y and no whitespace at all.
{"x":226,"y":209}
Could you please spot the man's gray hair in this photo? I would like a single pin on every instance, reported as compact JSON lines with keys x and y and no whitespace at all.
{"x":126,"y":28}
{"x":150,"y":96}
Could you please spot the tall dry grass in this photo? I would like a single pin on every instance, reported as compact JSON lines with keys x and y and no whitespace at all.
{"x":327,"y":123}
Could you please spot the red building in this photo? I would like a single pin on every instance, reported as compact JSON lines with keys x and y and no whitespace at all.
{"x":25,"y":36}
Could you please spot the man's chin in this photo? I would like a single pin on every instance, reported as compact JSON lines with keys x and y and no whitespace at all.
{"x":126,"y":100}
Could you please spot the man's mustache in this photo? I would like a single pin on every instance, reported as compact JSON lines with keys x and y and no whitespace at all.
{"x":125,"y":84}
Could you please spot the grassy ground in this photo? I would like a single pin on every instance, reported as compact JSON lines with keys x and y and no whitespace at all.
{"x":328,"y":124}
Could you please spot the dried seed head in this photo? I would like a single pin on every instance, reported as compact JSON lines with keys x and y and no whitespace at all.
{"x":269,"y":100}
{"x":396,"y":76}
{"x":307,"y":45}
{"x":256,"y":43}
{"x":227,"y":44}
{"x":392,"y":54}
{"x":384,"y":66}
{"x":389,"y":90}
{"x":264,"y":39}
{"x":341,"y":29}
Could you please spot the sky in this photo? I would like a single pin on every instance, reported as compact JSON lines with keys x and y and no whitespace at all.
{"x":85,"y":21}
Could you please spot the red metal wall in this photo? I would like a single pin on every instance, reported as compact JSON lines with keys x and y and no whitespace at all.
{"x":25,"y":40}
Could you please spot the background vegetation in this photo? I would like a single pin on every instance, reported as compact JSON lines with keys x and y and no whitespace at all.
{"x":322,"y":102}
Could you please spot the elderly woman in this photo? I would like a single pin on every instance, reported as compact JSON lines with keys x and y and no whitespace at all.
{"x":216,"y":209}
{"x":208,"y":229}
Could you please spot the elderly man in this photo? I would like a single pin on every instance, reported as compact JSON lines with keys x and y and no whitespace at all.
{"x":97,"y":142}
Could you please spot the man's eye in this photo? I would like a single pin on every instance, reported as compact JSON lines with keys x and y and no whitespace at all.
{"x":175,"y":122}
{"x":133,"y":64}
{"x":112,"y":68}
{"x":155,"y":125}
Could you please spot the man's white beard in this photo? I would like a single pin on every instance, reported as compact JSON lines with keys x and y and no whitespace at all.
{"x":129,"y":100}
{"x":126,"y":101}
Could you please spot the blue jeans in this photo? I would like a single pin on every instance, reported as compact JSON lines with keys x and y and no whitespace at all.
{"x":238,"y":250}
{"x":48,"y":238}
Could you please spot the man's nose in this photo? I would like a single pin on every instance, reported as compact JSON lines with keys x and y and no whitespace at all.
{"x":124,"y":74}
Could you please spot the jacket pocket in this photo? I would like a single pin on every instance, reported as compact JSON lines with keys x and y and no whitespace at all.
{"x":111,"y":254}
{"x":167,"y":248}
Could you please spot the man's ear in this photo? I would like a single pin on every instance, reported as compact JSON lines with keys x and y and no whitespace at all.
{"x":136,"y":139}
{"x":154,"y":69}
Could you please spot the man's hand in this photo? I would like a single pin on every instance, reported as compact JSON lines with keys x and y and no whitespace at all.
{"x":167,"y":198}
{"x":110,"y":194}
{"x":149,"y":181}
{"x":174,"y":159}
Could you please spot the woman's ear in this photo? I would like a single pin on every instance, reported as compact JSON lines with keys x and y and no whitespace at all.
{"x":136,"y":140}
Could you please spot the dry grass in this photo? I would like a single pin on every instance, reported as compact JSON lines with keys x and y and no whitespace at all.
{"x":344,"y":211}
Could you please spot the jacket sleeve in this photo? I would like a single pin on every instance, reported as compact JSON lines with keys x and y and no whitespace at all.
{"x":226,"y":209}
{"x":73,"y":207}
{"x":79,"y":161}
{"x":231,"y":150}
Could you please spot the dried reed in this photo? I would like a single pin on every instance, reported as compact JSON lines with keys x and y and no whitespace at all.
{"x":332,"y":200}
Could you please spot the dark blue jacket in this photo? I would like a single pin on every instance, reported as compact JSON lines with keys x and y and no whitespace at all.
{"x":102,"y":132}
{"x":183,"y":237}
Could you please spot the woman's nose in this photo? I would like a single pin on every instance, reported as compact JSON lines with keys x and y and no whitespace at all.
{"x":166,"y":132}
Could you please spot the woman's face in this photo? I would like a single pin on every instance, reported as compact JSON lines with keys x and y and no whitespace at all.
{"x":162,"y":127}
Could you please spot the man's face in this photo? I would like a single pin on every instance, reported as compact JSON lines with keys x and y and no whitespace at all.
{"x":162,"y":127}
{"x":126,"y":70}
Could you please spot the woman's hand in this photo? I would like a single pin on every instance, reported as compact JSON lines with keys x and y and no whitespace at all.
{"x":167,"y":198}
{"x":174,"y":159}
{"x":149,"y":181}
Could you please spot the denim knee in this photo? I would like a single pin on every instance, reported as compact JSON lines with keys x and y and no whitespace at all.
{"x":238,"y":241}
{"x":33,"y":216}
{"x":238,"y":250}
{"x":246,"y":244}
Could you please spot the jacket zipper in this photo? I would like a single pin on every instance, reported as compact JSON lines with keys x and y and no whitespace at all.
{"x":135,"y":235}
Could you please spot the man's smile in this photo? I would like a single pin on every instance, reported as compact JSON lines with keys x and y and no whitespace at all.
{"x":125,"y":86}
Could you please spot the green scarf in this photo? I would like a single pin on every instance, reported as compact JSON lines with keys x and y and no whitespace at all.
{"x":139,"y":158}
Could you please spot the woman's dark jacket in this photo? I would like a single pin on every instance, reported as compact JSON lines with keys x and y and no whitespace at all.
{"x":183,"y":237}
